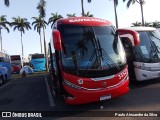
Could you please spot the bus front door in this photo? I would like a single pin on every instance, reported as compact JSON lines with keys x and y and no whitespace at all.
{"x":129,"y":56}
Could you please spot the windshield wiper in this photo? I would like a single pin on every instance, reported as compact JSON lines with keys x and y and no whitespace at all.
{"x":101,"y":50}
{"x":100,"y":56}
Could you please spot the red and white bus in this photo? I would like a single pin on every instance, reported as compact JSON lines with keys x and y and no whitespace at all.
{"x":90,"y":60}
{"x":16,"y":61}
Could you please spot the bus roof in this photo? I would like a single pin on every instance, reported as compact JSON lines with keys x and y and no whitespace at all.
{"x":84,"y":21}
{"x":4,"y":53}
{"x":141,"y":28}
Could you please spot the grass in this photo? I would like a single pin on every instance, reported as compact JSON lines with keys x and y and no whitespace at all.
{"x":17,"y":76}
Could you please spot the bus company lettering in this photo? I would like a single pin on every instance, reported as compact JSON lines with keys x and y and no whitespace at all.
{"x":122,"y":74}
{"x":83,"y":20}
{"x":15,"y":114}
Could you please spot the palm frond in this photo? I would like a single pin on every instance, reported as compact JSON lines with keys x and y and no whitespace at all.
{"x":54,"y":17}
{"x":4,"y":22}
{"x":89,"y":1}
{"x":6,"y":2}
{"x":41,"y":8}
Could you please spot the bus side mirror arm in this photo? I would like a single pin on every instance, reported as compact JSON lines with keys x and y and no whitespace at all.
{"x":131,"y":34}
{"x":56,"y":40}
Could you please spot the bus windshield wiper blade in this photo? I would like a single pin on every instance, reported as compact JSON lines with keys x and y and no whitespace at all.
{"x":101,"y":50}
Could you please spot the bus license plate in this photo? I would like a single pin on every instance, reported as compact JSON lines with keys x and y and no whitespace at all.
{"x":106,"y":97}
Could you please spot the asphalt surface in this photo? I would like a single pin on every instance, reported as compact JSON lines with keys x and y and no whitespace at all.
{"x":34,"y":94}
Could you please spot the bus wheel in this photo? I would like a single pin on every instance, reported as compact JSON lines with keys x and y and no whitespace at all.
{"x":55,"y":92}
{"x":3,"y":80}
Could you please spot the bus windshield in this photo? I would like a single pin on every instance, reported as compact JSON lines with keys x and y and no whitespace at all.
{"x":15,"y":57}
{"x":16,"y":60}
{"x":36,"y":56}
{"x":91,"y":48}
{"x":149,"y":48}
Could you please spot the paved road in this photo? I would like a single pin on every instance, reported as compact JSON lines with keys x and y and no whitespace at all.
{"x":33,"y":94}
{"x":24,"y":94}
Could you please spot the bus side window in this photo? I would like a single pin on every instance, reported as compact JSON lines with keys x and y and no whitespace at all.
{"x":1,"y":59}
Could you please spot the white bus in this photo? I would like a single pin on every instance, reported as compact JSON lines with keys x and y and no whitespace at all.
{"x":144,"y":59}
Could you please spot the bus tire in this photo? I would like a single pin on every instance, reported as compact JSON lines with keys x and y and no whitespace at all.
{"x":55,"y":88}
{"x":2,"y":78}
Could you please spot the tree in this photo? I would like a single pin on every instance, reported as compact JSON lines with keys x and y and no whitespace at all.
{"x":156,"y":24}
{"x":88,"y":14}
{"x":41,"y":8}
{"x":6,"y":3}
{"x":3,"y":25}
{"x":83,"y":13}
{"x":136,"y":24}
{"x":115,"y":11}
{"x":141,"y":2}
{"x":38,"y":25}
{"x":42,"y":13}
{"x":20,"y":24}
{"x":147,"y":24}
{"x":54,"y":17}
{"x":71,"y":15}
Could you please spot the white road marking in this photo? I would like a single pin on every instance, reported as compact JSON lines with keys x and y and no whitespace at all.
{"x":5,"y":85}
{"x":51,"y":102}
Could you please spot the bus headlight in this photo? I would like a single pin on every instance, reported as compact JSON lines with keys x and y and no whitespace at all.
{"x":71,"y":84}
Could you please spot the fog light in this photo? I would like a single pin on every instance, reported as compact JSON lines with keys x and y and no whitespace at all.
{"x":144,"y":75}
{"x":70,"y":98}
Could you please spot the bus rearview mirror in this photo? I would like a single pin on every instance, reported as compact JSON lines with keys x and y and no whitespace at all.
{"x":131,"y":34}
{"x":57,"y":40}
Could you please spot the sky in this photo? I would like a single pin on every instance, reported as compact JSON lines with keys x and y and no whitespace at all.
{"x":99,"y":8}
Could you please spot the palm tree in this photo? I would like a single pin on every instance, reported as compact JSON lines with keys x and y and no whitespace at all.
{"x":54,"y":17}
{"x":38,"y":24}
{"x":6,"y":3}
{"x":42,"y":13}
{"x":147,"y":24}
{"x":20,"y":24}
{"x":3,"y":25}
{"x":141,"y":2}
{"x":156,"y":24}
{"x":71,"y":15}
{"x":83,"y":13}
{"x":88,"y":14}
{"x":41,"y":8}
{"x":136,"y":24}
{"x":115,"y":11}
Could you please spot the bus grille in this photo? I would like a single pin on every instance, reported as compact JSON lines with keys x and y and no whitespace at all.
{"x":94,"y":73}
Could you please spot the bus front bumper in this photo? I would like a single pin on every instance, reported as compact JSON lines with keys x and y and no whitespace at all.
{"x":86,"y":96}
{"x":142,"y":75}
{"x":38,"y":70}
